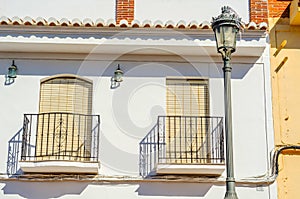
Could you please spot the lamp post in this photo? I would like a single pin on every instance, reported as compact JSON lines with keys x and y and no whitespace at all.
{"x":226,"y":26}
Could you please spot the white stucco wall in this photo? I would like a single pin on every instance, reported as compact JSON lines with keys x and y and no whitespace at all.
{"x":127,"y":112}
{"x":130,"y":111}
{"x":69,"y":9}
{"x":186,"y":10}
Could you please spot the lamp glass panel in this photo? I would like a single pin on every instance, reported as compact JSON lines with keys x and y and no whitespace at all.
{"x":229,"y":36}
{"x":219,"y":37}
{"x":118,"y":76}
{"x":12,"y":72}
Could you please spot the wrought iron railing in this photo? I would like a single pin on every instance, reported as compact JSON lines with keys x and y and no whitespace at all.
{"x":182,"y":140}
{"x":60,"y":136}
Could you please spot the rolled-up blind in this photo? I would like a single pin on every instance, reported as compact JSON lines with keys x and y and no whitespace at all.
{"x":186,"y":127}
{"x":187,"y":97}
{"x":66,"y":94}
{"x":64,"y":124}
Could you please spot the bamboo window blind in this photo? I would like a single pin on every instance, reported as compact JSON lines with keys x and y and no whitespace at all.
{"x":66,"y":94}
{"x":64,"y":135}
{"x":185,"y":136}
{"x":187,"y":97}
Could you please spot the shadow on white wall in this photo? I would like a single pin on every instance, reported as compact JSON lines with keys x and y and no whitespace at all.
{"x":43,"y":190}
{"x":173,"y":189}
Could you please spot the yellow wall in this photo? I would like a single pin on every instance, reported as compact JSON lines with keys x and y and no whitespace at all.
{"x":286,"y":103}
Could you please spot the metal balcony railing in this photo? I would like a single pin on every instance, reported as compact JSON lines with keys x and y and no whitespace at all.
{"x":60,"y":136}
{"x":182,"y":140}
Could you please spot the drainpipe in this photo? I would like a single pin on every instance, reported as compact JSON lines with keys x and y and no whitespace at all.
{"x":269,"y":178}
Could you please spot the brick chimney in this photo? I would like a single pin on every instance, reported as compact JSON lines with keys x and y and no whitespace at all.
{"x":279,"y":8}
{"x":124,"y":10}
{"x":259,"y":11}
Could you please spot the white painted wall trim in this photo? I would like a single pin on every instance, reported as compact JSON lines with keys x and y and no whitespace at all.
{"x":122,"y":41}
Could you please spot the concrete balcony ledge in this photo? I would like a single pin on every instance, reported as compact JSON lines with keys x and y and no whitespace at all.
{"x":59,"y":167}
{"x":199,"y":169}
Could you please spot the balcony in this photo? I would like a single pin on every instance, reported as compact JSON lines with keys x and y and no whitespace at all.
{"x":60,"y":143}
{"x":183,"y":145}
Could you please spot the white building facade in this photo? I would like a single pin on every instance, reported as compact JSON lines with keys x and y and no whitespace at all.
{"x":70,"y":129}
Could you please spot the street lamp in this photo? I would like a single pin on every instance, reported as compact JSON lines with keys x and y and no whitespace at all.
{"x":226,"y":26}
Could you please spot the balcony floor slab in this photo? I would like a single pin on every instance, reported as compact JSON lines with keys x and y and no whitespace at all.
{"x":198,"y":169}
{"x":59,"y":167}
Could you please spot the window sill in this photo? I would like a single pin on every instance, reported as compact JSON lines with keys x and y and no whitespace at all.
{"x":59,"y":167}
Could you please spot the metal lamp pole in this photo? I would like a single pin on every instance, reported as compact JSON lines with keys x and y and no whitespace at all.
{"x":230,"y":181}
{"x":226,"y":27}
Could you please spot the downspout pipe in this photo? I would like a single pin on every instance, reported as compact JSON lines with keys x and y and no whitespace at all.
{"x":278,"y":152}
{"x":271,"y":177}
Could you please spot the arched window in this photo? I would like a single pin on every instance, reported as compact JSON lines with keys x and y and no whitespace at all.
{"x":66,"y":93}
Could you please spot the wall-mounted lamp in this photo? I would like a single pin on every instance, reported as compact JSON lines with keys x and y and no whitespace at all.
{"x":12,"y":71}
{"x":118,"y":76}
{"x":11,"y":74}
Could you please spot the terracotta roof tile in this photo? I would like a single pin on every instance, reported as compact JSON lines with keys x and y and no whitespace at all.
{"x":76,"y":22}
{"x":64,"y":22}
{"x":135,"y":24}
{"x":148,"y":23}
{"x":123,"y":23}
